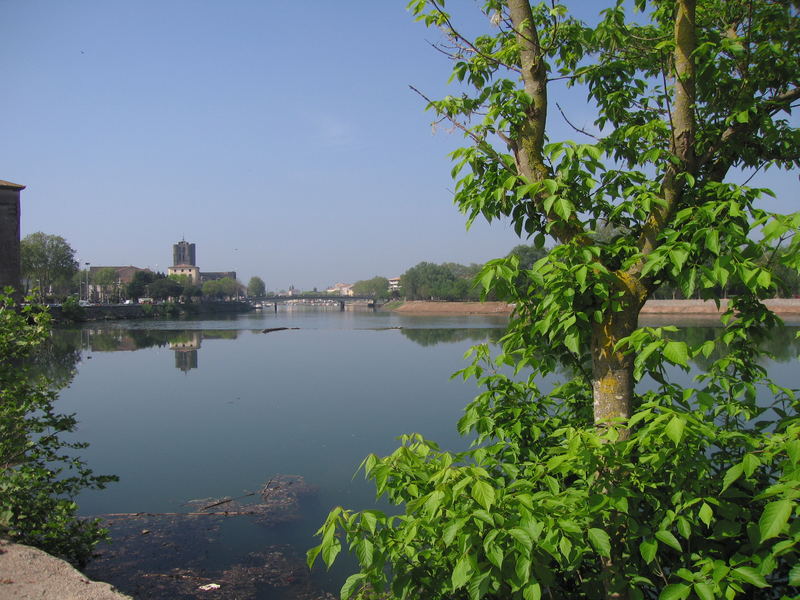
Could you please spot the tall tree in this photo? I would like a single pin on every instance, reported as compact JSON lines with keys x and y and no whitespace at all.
{"x":107,"y":280}
{"x":595,"y":489}
{"x":137,"y":288}
{"x":47,"y":262}
{"x":256,"y":287}
{"x":377,"y":287}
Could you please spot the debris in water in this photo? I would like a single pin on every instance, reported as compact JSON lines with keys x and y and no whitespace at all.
{"x":172,"y":561}
{"x":209,"y":586}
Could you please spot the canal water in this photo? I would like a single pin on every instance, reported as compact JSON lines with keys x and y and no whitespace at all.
{"x":192,"y":413}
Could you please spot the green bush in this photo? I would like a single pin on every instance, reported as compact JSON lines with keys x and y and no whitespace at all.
{"x":72,"y":311}
{"x":39,"y":473}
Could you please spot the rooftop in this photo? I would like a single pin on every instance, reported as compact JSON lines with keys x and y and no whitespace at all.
{"x":7,"y":185}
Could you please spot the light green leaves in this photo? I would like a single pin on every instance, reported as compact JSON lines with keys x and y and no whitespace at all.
{"x":648,"y":549}
{"x":774,"y":518}
{"x":674,"y":429}
{"x":751,"y":576}
{"x":462,"y":572}
{"x":675,"y":591}
{"x":600,"y":541}
{"x":677,"y":353}
{"x":352,"y":585}
{"x":666,"y":537}
{"x":483,"y":493}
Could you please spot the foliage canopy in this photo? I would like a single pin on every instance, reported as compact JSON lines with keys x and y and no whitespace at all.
{"x":617,"y":481}
{"x":47,"y":261}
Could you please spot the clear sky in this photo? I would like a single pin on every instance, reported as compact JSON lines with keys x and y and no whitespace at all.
{"x":280,"y":137}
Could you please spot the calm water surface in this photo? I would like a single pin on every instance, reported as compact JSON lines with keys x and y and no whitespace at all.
{"x":184,"y":410}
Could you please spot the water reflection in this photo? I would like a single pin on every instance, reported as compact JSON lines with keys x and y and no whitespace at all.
{"x":58,"y":358}
{"x":431,"y":337}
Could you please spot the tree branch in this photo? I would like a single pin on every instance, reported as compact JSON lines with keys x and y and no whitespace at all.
{"x":717,"y":169}
{"x":683,"y":132}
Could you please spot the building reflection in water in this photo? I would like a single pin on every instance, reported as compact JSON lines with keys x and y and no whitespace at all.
{"x":186,"y":351}
{"x":184,"y":343}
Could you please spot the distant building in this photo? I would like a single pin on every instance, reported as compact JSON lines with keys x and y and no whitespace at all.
{"x":124,"y":274}
{"x":9,"y":234}
{"x":184,"y":262}
{"x":214,"y":275}
{"x":394,"y":284}
{"x":343,"y":289}
{"x":190,"y":271}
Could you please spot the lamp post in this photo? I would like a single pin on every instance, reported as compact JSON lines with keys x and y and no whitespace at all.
{"x":87,"y":281}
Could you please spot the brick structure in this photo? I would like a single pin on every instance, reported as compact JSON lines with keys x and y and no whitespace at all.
{"x":9,"y":234}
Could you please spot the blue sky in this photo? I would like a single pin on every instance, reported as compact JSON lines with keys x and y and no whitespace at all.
{"x":281,"y":138}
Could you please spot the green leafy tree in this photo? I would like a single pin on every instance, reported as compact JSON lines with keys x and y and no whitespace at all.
{"x":107,"y":281}
{"x":256,"y":287}
{"x":377,"y":287}
{"x":221,"y":288}
{"x":606,"y":486}
{"x":164,"y":288}
{"x":212,"y":289}
{"x":48,"y":263}
{"x":39,"y":475}
{"x":448,"y":281}
{"x":137,"y":288}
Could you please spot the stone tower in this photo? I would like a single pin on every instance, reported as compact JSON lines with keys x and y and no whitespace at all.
{"x":183,"y":254}
{"x":9,"y":235}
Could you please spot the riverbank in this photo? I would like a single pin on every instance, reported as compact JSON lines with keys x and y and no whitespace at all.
{"x":784,"y":307}
{"x":28,"y":573}
{"x":121,"y":312}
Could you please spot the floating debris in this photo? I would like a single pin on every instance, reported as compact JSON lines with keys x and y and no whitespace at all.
{"x":171,"y":561}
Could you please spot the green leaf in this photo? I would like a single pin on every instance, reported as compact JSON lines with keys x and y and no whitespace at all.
{"x":522,"y":537}
{"x":483,"y":493}
{"x":452,"y":530}
{"x":666,"y":537}
{"x":794,"y":575}
{"x":495,"y":554}
{"x":532,"y":591}
{"x":352,"y":584}
{"x":704,"y":591}
{"x":750,"y":575}
{"x":712,"y":240}
{"x":364,"y":551}
{"x":674,"y":429}
{"x":732,"y":475}
{"x":600,"y":540}
{"x":705,"y":513}
{"x":648,"y":548}
{"x":311,"y":555}
{"x":461,"y":573}
{"x":563,"y":208}
{"x":677,"y":352}
{"x":774,"y":518}
{"x":750,"y":463}
{"x":331,"y":550}
{"x":675,"y":591}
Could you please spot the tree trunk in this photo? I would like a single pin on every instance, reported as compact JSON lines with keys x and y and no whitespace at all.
{"x":612,"y":369}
